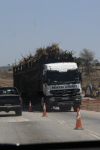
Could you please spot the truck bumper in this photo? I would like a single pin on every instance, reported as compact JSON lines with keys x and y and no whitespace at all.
{"x":10,"y":108}
{"x":58,"y":101}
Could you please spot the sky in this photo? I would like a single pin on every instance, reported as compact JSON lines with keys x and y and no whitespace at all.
{"x":26,"y":25}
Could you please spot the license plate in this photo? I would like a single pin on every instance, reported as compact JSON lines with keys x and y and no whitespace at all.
{"x":65,"y":98}
{"x":63,"y":103}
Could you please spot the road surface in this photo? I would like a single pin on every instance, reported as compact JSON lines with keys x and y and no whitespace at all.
{"x":32,"y":128}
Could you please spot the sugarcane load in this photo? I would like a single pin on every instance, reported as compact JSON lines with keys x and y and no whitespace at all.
{"x":51,"y":76}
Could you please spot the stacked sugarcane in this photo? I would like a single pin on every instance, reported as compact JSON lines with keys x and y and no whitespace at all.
{"x":30,"y":82}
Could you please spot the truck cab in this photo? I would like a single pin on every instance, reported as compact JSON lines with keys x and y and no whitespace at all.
{"x":62,"y":85}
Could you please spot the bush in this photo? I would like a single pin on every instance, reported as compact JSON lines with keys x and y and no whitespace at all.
{"x":84,"y":89}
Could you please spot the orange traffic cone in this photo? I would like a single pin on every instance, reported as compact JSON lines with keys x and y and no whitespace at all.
{"x":30,"y":106}
{"x":78,"y":121}
{"x":44,"y":110}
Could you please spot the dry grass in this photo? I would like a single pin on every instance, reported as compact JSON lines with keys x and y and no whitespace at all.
{"x":6,"y":78}
{"x":94,"y":79}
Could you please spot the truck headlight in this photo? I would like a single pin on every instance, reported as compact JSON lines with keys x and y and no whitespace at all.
{"x":77,"y":91}
{"x":52,"y":99}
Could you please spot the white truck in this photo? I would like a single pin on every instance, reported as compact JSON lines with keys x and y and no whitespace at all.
{"x":62,"y":85}
{"x":57,"y":82}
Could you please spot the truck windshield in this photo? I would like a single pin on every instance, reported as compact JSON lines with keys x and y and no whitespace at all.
{"x":62,"y":77}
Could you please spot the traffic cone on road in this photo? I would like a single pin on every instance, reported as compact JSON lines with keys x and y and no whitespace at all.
{"x":44,"y":110}
{"x":78,"y":120}
{"x":30,"y":109}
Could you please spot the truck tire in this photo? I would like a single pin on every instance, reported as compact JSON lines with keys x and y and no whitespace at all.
{"x":40,"y":107}
{"x":69,"y":108}
{"x":75,"y":107}
{"x":19,"y":112}
{"x":48,"y":109}
{"x":63,"y":108}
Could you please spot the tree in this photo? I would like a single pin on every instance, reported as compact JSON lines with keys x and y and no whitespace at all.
{"x":79,"y":62}
{"x":88,"y":57}
{"x":95,"y":62}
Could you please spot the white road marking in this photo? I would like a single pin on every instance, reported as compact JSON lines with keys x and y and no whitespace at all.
{"x":60,"y":121}
{"x":93,"y":132}
{"x":54,"y":118}
{"x":95,"y":136}
{"x":11,"y":120}
{"x":85,"y":134}
{"x":26,"y":119}
{"x":63,"y":121}
{"x":17,"y":120}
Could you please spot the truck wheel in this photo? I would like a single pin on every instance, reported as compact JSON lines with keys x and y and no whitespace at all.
{"x":62,"y":108}
{"x":40,"y":107}
{"x":19,"y":112}
{"x":48,"y":108}
{"x":69,"y":108}
{"x":75,"y":107}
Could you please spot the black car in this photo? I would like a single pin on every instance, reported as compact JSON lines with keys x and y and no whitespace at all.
{"x":10,"y":100}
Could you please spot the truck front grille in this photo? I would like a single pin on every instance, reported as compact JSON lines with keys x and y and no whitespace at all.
{"x":67,"y":92}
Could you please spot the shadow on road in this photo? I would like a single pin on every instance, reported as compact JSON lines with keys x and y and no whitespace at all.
{"x":7,"y":115}
{"x":52,"y":110}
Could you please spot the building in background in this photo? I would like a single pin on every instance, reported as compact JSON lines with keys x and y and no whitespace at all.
{"x":7,"y":67}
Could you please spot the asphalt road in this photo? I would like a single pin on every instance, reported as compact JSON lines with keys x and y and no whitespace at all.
{"x":32,"y":128}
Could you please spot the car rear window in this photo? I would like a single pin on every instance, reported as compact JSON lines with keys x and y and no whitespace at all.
{"x":8,"y":91}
